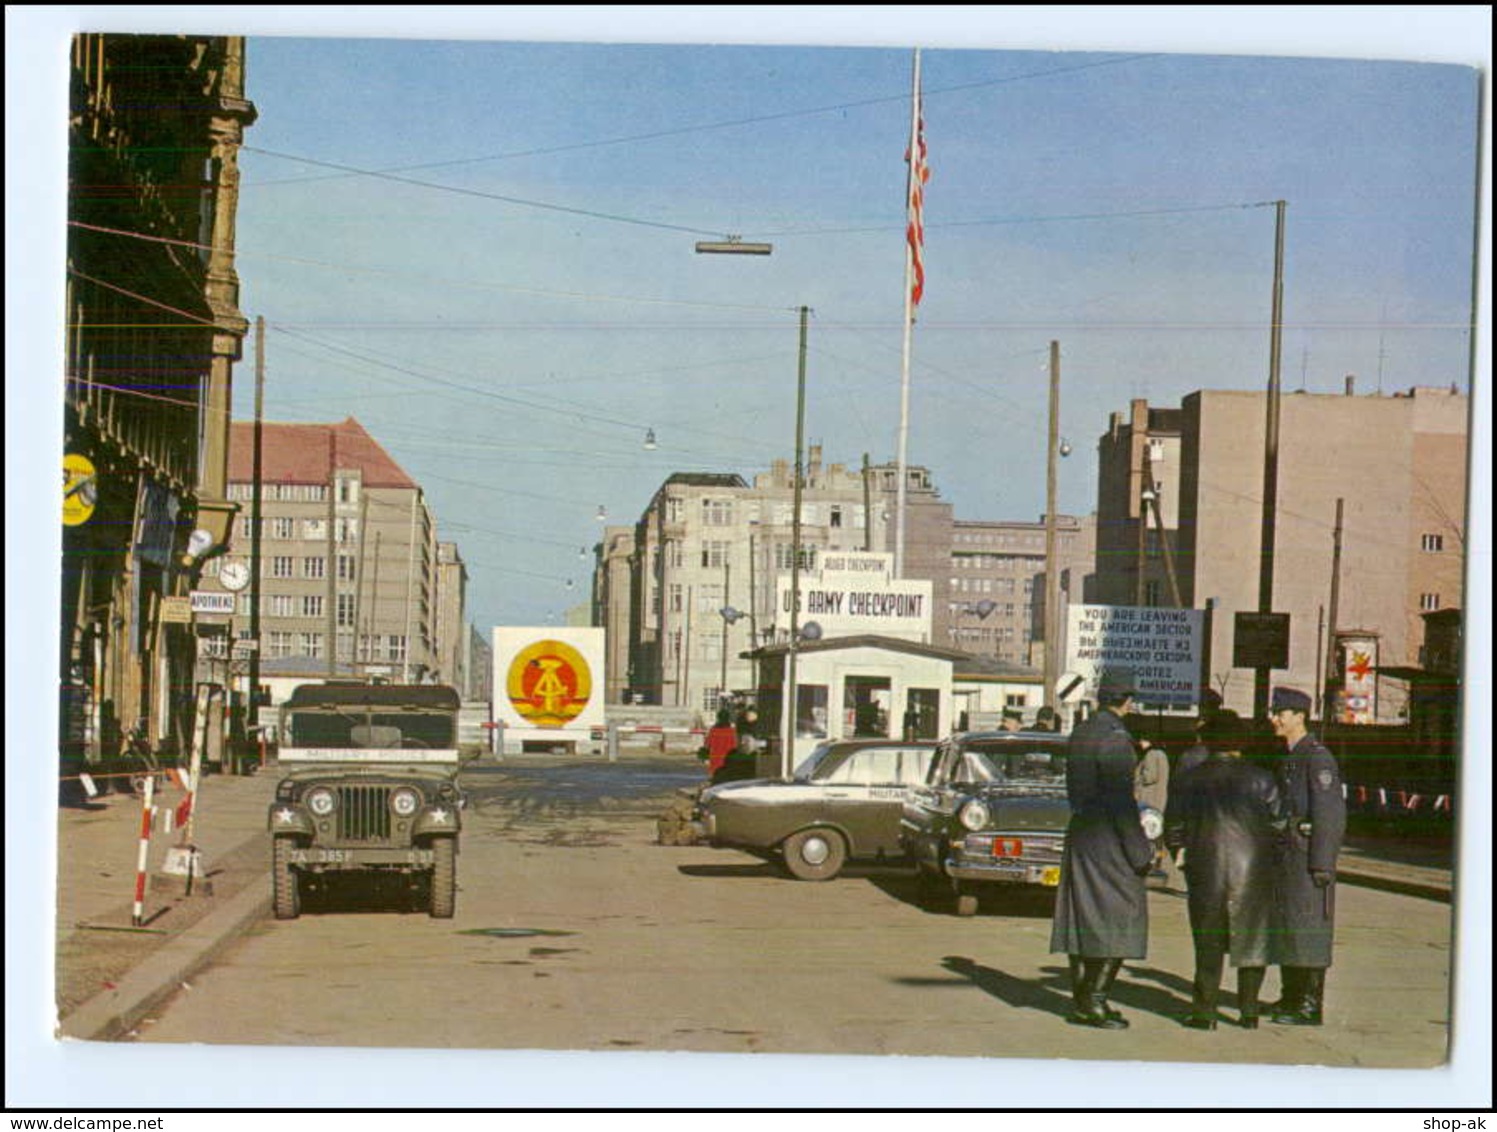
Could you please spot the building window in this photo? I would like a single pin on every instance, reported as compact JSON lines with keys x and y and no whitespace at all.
{"x":311,"y":644}
{"x":281,"y":529}
{"x":673,"y":553}
{"x":711,"y":698}
{"x":347,"y":570}
{"x":1016,"y":700}
{"x":311,"y":605}
{"x":784,"y":561}
{"x":673,"y":592}
{"x":395,"y":646}
{"x":348,"y":530}
{"x":310,"y":567}
{"x":348,"y":491}
{"x":345,"y":611}
{"x":314,"y":529}
{"x":709,"y":599}
{"x":277,"y":644}
{"x":281,"y":605}
{"x":714,"y":552}
{"x":281,"y":565}
{"x":1429,"y":602}
{"x":717,"y":512}
{"x":672,"y":509}
{"x":834,"y":516}
{"x":1432,"y":542}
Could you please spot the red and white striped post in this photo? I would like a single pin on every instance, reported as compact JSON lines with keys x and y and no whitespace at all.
{"x":137,"y":917}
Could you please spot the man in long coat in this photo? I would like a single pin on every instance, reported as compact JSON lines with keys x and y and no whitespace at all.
{"x":1225,"y":814}
{"x":1101,"y":907}
{"x":1310,"y":785}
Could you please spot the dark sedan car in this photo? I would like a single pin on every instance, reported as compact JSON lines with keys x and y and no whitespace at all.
{"x":844,"y":802}
{"x":992,"y":810}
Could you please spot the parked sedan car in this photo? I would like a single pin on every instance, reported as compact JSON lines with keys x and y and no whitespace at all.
{"x":992,"y":811}
{"x":844,"y":802}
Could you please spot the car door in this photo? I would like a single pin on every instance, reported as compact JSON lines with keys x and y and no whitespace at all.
{"x":865,"y":797}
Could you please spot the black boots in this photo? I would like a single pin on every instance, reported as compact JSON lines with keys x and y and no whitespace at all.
{"x":1204,"y":990}
{"x":1249,"y":983}
{"x":1091,"y":980}
{"x":1304,"y":991}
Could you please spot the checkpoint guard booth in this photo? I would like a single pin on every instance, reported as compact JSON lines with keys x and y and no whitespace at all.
{"x":855,"y":687}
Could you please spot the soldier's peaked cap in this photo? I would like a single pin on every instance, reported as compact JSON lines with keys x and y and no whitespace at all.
{"x":1289,"y":699}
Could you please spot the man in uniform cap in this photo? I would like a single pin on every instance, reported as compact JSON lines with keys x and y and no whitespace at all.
{"x":1310,"y":789}
{"x":1101,"y":907}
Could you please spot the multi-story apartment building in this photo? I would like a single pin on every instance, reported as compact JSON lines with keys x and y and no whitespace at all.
{"x":348,"y":556}
{"x":153,"y":329}
{"x":611,"y":607}
{"x":997,"y":579}
{"x":1398,"y":466}
{"x":450,"y":646}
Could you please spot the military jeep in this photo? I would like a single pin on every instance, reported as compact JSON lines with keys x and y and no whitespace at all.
{"x":370,"y":787}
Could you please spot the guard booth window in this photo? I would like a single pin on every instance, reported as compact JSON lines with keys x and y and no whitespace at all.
{"x":922,"y":713}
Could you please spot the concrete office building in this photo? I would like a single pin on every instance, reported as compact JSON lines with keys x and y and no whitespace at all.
{"x":1398,"y":465}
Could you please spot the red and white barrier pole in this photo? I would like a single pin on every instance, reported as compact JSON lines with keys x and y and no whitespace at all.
{"x":137,"y":917}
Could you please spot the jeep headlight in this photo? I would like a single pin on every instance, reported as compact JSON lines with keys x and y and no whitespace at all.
{"x":405,"y":801}
{"x":973,"y":815}
{"x":321,"y":801}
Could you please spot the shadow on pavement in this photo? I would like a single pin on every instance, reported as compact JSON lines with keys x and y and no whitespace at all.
{"x":997,"y":900}
{"x":1051,"y":993}
{"x":759,"y":869}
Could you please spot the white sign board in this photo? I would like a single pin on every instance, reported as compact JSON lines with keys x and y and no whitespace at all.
{"x":210,"y":601}
{"x":844,"y":605}
{"x":549,"y":679}
{"x":1161,"y":647}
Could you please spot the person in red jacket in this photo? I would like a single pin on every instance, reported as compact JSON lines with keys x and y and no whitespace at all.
{"x":722,"y":741}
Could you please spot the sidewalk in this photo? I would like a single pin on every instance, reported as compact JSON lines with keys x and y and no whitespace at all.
{"x":110,"y":976}
{"x":110,"y":973}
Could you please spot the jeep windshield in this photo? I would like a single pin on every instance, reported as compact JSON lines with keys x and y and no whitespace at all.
{"x":379,"y":723}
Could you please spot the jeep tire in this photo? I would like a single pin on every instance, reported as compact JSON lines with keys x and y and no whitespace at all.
{"x":285,"y":883}
{"x":444,"y":878}
{"x":815,"y":854}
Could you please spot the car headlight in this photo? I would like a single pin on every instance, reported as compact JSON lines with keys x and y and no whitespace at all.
{"x":1152,"y":821}
{"x":974,"y":815}
{"x":405,"y":801}
{"x":321,"y":801}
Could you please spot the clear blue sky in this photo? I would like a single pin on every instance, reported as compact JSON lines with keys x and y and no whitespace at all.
{"x":512,"y":355}
{"x":436,"y":287}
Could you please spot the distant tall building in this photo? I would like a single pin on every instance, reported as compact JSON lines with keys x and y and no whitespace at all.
{"x":1398,"y":464}
{"x":155,"y":123}
{"x":997,"y":577}
{"x":348,"y":556}
{"x":451,"y":637}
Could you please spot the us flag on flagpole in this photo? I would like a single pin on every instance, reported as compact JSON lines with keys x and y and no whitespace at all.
{"x":915,"y":229}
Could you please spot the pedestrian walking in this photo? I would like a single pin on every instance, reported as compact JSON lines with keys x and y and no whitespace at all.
{"x":1151,"y":787}
{"x":1309,"y":783}
{"x":722,"y":740}
{"x":1101,"y":907}
{"x":1226,"y":815}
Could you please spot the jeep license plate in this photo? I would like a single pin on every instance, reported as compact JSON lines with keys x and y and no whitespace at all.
{"x":1050,"y":877}
{"x":320,"y":856}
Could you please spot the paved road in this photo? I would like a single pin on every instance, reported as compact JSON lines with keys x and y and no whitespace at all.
{"x":575,"y":931}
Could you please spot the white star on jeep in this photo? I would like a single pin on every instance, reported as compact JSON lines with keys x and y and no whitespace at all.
{"x":285,"y":815}
{"x":439,"y":817}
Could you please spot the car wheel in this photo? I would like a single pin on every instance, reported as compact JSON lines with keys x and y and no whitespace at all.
{"x":285,"y":884}
{"x":815,"y":854}
{"x":444,"y":878}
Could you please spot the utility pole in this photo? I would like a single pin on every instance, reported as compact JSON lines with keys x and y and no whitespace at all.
{"x":1261,"y":675}
{"x":723,"y":684}
{"x":867,"y":505}
{"x":332,"y":550}
{"x":1052,"y":573}
{"x":257,"y":469}
{"x":1329,"y":708}
{"x":795,"y":550}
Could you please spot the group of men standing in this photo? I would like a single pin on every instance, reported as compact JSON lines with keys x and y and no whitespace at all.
{"x":1259,"y":856}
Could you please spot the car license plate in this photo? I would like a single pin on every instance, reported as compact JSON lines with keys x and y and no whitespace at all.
{"x":318,"y":856}
{"x":1050,"y":877}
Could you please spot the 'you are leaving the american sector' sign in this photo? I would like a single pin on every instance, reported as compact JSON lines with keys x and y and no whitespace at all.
{"x":1162,"y":648}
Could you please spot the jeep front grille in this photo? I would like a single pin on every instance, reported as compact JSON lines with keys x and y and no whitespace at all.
{"x":364,"y":813}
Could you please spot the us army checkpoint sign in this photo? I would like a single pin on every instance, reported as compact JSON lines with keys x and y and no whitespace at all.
{"x":1162,"y":648}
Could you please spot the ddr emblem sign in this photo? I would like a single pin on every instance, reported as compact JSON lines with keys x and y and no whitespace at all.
{"x":80,"y":489}
{"x":549,"y":683}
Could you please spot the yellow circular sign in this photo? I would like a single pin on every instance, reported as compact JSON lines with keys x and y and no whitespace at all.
{"x":549,"y":683}
{"x":80,"y":489}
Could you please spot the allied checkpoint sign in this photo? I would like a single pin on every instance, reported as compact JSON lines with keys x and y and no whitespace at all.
{"x":1162,"y":648}
{"x":855,"y":593}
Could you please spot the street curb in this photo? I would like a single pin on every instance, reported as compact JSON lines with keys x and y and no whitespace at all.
{"x":112,"y":1014}
{"x":1423,"y":890}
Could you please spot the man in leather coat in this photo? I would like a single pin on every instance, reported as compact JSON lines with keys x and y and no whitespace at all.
{"x":1225,"y":814}
{"x":1310,"y":786}
{"x":1101,"y":907}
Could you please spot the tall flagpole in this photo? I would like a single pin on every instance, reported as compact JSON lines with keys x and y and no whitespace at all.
{"x":913,"y":283}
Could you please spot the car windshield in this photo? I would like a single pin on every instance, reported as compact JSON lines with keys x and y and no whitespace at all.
{"x":1014,"y":763}
{"x":807,"y":769}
